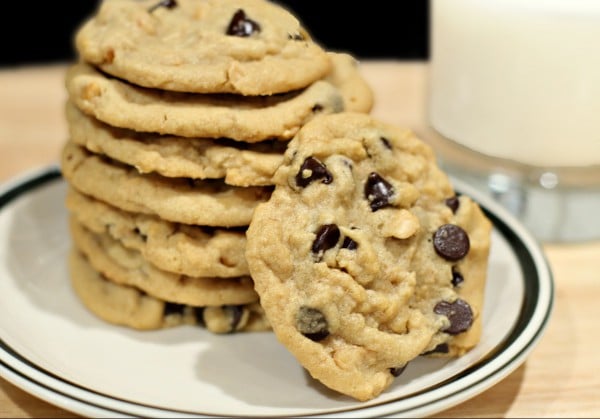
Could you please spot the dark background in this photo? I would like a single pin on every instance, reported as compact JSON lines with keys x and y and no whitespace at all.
{"x":41,"y":32}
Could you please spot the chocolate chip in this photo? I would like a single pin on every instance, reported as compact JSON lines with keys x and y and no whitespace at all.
{"x":457,"y":278}
{"x":442,"y":348}
{"x":167,"y":4}
{"x":451,"y":242}
{"x":317,"y":108}
{"x":327,"y":237}
{"x":349,"y":244}
{"x":235,"y":314}
{"x":459,"y":313}
{"x":312,"y":323}
{"x":241,"y":25}
{"x":138,"y":232}
{"x":315,"y":170}
{"x":296,"y":37}
{"x":386,"y":143}
{"x":173,"y":308}
{"x":378,"y":191}
{"x":199,"y":314}
{"x":398,"y":370}
{"x":453,"y":203}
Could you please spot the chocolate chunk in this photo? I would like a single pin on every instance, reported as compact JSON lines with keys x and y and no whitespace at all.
{"x":457,"y":278}
{"x":235,"y":314}
{"x":296,"y":37}
{"x":451,"y":242}
{"x":167,"y":4}
{"x":459,"y":313}
{"x":311,"y":170}
{"x":173,"y":308}
{"x":199,"y":314}
{"x":241,"y":25}
{"x":317,"y":108}
{"x":386,"y":143}
{"x":442,"y":348}
{"x":453,"y":203}
{"x":312,"y":323}
{"x":349,"y":244}
{"x":327,"y":237}
{"x":138,"y":232}
{"x":378,"y":191}
{"x":398,"y":370}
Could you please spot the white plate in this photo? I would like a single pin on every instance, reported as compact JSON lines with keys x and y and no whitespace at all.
{"x":53,"y":348}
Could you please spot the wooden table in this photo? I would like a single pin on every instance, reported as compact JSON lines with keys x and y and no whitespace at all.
{"x":559,"y":379}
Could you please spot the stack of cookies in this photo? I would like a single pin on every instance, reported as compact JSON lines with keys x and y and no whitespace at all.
{"x":179,"y":114}
{"x":224,"y":170}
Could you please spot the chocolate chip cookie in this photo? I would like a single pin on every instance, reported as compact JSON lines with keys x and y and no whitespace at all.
{"x":179,"y":248}
{"x":180,"y":200}
{"x":358,"y":252}
{"x":248,"y":47}
{"x":236,"y":163}
{"x":127,"y":267}
{"x":241,"y":118}
{"x":129,"y":307}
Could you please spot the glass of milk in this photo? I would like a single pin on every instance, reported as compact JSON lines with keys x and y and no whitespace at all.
{"x":514,"y":100}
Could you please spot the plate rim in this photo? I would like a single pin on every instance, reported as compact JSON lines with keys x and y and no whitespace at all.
{"x":523,"y":337}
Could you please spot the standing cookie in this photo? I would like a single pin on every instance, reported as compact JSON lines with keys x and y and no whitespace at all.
{"x":353,"y":254}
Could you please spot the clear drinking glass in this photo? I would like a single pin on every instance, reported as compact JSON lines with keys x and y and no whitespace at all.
{"x":514,"y":94}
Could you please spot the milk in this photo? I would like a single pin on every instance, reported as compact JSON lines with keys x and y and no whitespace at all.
{"x":518,"y":79}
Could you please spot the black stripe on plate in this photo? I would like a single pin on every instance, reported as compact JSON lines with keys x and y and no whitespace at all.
{"x":54,"y":391}
{"x":51,"y":174}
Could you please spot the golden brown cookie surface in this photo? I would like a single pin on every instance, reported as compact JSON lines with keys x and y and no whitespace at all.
{"x":249,"y":47}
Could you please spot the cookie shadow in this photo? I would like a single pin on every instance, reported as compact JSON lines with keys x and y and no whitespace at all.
{"x":256,"y":369}
{"x":38,"y":243}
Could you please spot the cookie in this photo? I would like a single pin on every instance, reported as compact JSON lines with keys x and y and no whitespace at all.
{"x":248,"y":47}
{"x":179,"y":248}
{"x":347,"y":77}
{"x":356,"y":253}
{"x":467,"y":273}
{"x":128,"y":306}
{"x":210,"y":203}
{"x":246,"y":119}
{"x":236,"y":163}
{"x":128,"y":267}
{"x":202,"y":158}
